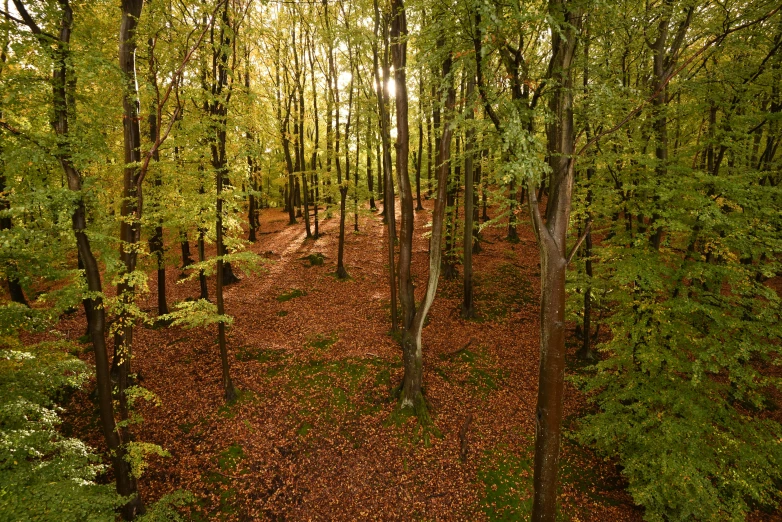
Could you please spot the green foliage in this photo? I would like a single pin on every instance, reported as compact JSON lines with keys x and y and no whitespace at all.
{"x":43,"y":475}
{"x":195,"y":314}
{"x":137,"y":456}
{"x":166,"y":509}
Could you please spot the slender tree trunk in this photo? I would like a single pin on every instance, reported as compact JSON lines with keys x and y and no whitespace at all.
{"x":468,"y":307}
{"x":389,"y":216}
{"x":355,"y":175}
{"x":586,"y":353}
{"x":202,"y":283}
{"x":219,"y":110}
{"x":476,"y":205}
{"x":484,"y":186}
{"x":419,"y":206}
{"x":370,"y":176}
{"x":252,"y":205}
{"x":513,"y":234}
{"x":187,"y":260}
{"x":156,"y":241}
{"x":14,"y":288}
{"x":131,"y":210}
{"x":316,"y":140}
{"x":429,"y":155}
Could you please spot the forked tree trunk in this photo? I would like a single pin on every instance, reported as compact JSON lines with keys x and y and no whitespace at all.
{"x":551,"y":236}
{"x":411,"y":395}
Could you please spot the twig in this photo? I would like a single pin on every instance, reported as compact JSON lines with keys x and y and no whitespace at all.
{"x":463,"y":437}
{"x":231,"y":476}
{"x":460,"y":350}
{"x":578,"y":244}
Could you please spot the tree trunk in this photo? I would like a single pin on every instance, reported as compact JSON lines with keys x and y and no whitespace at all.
{"x":187,"y":260}
{"x":468,"y":307}
{"x":131,"y":210}
{"x":14,"y":288}
{"x":156,"y":245}
{"x":389,"y":215}
{"x":219,"y":109}
{"x":551,"y":237}
{"x":411,"y":388}
{"x":62,"y":99}
{"x":420,"y":158}
{"x":370,"y":175}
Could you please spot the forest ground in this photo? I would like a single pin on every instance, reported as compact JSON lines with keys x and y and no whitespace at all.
{"x":314,"y":434}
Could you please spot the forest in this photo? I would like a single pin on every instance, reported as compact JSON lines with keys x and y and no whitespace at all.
{"x":390,"y":260}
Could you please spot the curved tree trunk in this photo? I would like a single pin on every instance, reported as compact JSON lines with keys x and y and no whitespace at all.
{"x":62,"y":104}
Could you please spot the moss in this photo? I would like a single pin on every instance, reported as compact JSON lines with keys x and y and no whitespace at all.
{"x":291,"y":294}
{"x":262,"y":355}
{"x":315,"y":259}
{"x":507,"y":485}
{"x":319,"y":343}
{"x":230,"y":457}
{"x":501,"y":292}
{"x":304,"y":429}
{"x":474,"y":368}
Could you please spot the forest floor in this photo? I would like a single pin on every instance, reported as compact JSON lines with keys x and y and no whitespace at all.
{"x":314,"y":434}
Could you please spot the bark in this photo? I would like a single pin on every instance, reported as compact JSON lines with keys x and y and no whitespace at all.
{"x":468,"y":307}
{"x":187,"y":260}
{"x":551,"y":237}
{"x":389,"y":217}
{"x":343,"y":187}
{"x":420,"y":157}
{"x":316,"y":140}
{"x":221,"y":91}
{"x":156,"y":245}
{"x":299,"y":71}
{"x":585,"y":353}
{"x":665,"y":51}
{"x":513,"y":234}
{"x":62,"y":107}
{"x":411,"y":388}
{"x":370,"y":176}
{"x":429,"y":156}
{"x":355,"y":175}
{"x":202,"y":284}
{"x":131,"y":210}
{"x":484,"y":188}
{"x":252,"y":205}
{"x":14,"y":288}
{"x":477,"y":183}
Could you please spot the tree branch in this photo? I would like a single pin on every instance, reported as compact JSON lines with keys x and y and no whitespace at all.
{"x":578,"y":243}
{"x":673,"y":74}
